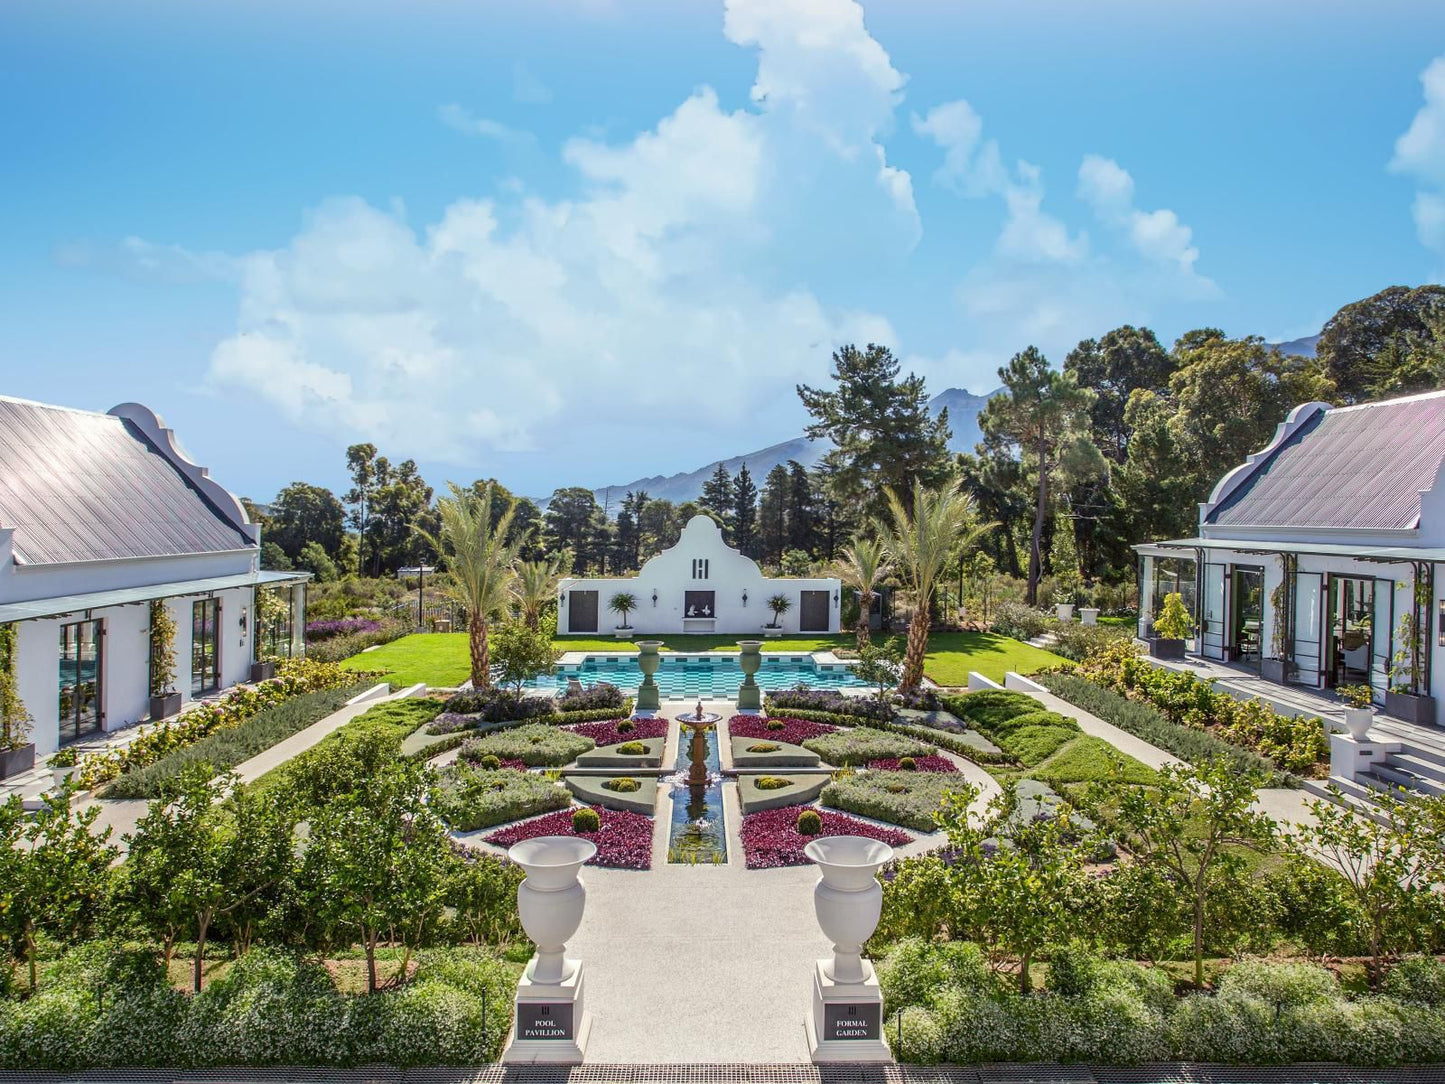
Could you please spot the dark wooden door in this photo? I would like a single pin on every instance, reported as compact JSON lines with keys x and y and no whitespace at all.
{"x":813,"y":612}
{"x":583,"y":617}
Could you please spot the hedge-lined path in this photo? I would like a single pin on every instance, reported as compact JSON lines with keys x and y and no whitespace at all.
{"x":1284,"y":805}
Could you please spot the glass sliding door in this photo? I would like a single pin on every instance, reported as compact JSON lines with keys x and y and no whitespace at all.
{"x":80,"y":675}
{"x":1352,"y":619}
{"x":205,"y":647}
{"x":1248,"y":597}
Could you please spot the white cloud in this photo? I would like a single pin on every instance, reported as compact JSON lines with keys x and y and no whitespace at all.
{"x":456,"y":117}
{"x":1157,"y":235}
{"x":527,"y":88}
{"x":1420,"y":154}
{"x":648,"y":303}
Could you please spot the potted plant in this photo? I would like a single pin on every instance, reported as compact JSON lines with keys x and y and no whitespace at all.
{"x":270,"y":609}
{"x":1088,"y":608}
{"x":1171,"y":628}
{"x":62,"y":764}
{"x":1273,"y":667}
{"x":1359,"y":709}
{"x":17,"y":751}
{"x":1064,"y":604}
{"x":165,"y":700}
{"x":779,"y":604}
{"x":622,"y":604}
{"x":1403,"y":699}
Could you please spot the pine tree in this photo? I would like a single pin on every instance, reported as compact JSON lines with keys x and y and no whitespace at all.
{"x":802,"y":505}
{"x":773,"y":516}
{"x":718,"y":499}
{"x":745,"y":512}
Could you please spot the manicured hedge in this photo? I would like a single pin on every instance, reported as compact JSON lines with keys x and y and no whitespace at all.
{"x":471,"y":798}
{"x":907,"y":799}
{"x":451,"y":723}
{"x":942,"y":738}
{"x":987,"y":708}
{"x":225,"y":749}
{"x":101,"y":1006}
{"x":856,"y":747}
{"x":534,"y":744}
{"x":1148,"y":723}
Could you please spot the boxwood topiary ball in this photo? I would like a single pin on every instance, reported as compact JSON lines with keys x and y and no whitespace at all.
{"x":491,"y":762}
{"x":907,"y":764}
{"x":586,"y":820}
{"x":770,"y":782}
{"x":777,"y":724}
{"x":626,"y":726}
{"x":764,"y":747}
{"x":625,"y":785}
{"x":809,"y":823}
{"x":632,"y":749}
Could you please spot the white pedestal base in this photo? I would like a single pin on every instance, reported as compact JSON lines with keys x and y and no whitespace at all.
{"x":846,"y":1024}
{"x":554,"y":1009}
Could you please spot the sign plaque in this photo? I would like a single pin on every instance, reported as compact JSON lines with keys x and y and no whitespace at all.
{"x":545,"y":1021}
{"x":844,"y":1022}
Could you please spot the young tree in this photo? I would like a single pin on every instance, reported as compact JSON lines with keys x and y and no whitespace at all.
{"x":923,"y":537}
{"x":521,"y":654}
{"x":377,"y":859}
{"x":55,"y":873}
{"x":745,"y":512}
{"x":535,"y":586}
{"x":880,"y":665}
{"x":482,"y":563}
{"x":1392,"y":866}
{"x":863,"y":568}
{"x":1192,"y":827}
{"x":1045,"y":414}
{"x":884,"y":436}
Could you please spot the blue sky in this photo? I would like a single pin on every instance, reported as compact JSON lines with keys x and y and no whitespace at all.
{"x":578,"y":241}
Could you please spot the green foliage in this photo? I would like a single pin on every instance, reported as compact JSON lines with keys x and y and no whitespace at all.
{"x":778,"y":605}
{"x":919,"y":972}
{"x":1173,"y":621}
{"x":907,"y":764}
{"x":1089,"y":759}
{"x":490,"y":762}
{"x":1036,"y":718}
{"x":586,"y":819}
{"x":1031,"y":745}
{"x":468,"y":799}
{"x":1073,"y":970}
{"x":987,"y":708}
{"x":162,"y":637}
{"x":632,"y":749}
{"x":521,"y":654}
{"x":856,"y":747}
{"x":313,"y":558}
{"x":15,"y":721}
{"x":764,"y":747}
{"x":622,"y":604}
{"x":227,"y":748}
{"x":1417,"y":978}
{"x":624,"y":785}
{"x":809,"y":823}
{"x":771,"y":782}
{"x":1356,"y":696}
{"x":534,"y":744}
{"x":909,"y":799}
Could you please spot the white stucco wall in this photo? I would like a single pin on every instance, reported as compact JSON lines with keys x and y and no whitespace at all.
{"x":670,"y":574}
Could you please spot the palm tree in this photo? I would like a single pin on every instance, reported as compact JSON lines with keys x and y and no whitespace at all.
{"x":481,"y":561}
{"x":923,"y":541}
{"x":622,"y":604}
{"x":863,"y":567}
{"x":536,"y":585}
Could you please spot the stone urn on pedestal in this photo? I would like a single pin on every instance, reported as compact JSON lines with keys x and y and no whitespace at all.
{"x":551,"y":1025}
{"x":648,"y":661}
{"x":750,"y":695}
{"x":846,"y":1024}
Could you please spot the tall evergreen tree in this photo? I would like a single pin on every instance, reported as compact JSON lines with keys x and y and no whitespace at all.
{"x":718,"y":498}
{"x":802,"y":509}
{"x":883,"y":434}
{"x":773,"y":515}
{"x":745,"y":512}
{"x":569,"y":524}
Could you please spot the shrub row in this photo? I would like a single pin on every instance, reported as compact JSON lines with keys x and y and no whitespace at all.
{"x":1121,"y":1013}
{"x":103,"y":1006}
{"x":907,"y":799}
{"x":785,"y":701}
{"x":502,"y":705}
{"x":468,"y":798}
{"x":855,"y":748}
{"x":449,"y":722}
{"x":294,"y":677}
{"x":1145,"y":721}
{"x":536,"y":745}
{"x":225,"y":749}
{"x":941,"y":738}
{"x":344,"y":645}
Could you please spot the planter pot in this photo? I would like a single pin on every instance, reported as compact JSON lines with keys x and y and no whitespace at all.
{"x":1358,"y":722}
{"x":648,"y":698}
{"x":17,"y":761}
{"x":1088,"y":615}
{"x":164,"y":706}
{"x":622,"y":632}
{"x":1163,"y":647}
{"x":1064,"y":611}
{"x":749,"y":660}
{"x":1411,"y":708}
{"x":848,"y":899}
{"x":59,"y":776}
{"x":551,"y":899}
{"x":1272,"y":670}
{"x":263,"y":671}
{"x":772,"y":631}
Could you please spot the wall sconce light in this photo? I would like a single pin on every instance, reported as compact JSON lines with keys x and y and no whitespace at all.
{"x":243,"y":619}
{"x":561,"y":601}
{"x":654,"y":596}
{"x":745,"y":596}
{"x":835,"y":598}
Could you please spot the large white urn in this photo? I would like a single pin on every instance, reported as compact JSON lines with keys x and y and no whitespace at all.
{"x":1358,"y":722}
{"x":551,"y":900}
{"x":848,"y":899}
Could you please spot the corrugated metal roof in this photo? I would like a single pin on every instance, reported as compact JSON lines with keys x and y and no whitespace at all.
{"x":78,"y":486}
{"x":1180,"y":547}
{"x":1352,"y":468}
{"x":130,"y":596}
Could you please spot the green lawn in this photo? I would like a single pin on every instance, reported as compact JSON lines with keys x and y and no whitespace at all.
{"x":440,"y":658}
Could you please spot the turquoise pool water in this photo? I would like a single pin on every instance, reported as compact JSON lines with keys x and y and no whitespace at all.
{"x":687,"y":677}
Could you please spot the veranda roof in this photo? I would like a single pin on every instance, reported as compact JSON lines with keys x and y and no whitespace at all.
{"x":1408,"y":554}
{"x":130,"y":596}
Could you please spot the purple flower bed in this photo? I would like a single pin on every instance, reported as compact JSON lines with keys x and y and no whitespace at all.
{"x":601,"y":695}
{"x":771,"y":839}
{"x":922,"y":764}
{"x":607,"y":733}
{"x":346,"y":626}
{"x":793,"y":731}
{"x":624,"y":840}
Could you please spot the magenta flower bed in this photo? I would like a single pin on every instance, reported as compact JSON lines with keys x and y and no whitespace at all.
{"x":624,"y":840}
{"x":922,"y":764}
{"x":771,"y":839}
{"x":606,"y":733}
{"x":346,"y":626}
{"x":794,"y":731}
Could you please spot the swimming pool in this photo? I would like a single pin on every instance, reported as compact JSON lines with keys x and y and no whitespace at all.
{"x":687,"y":677}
